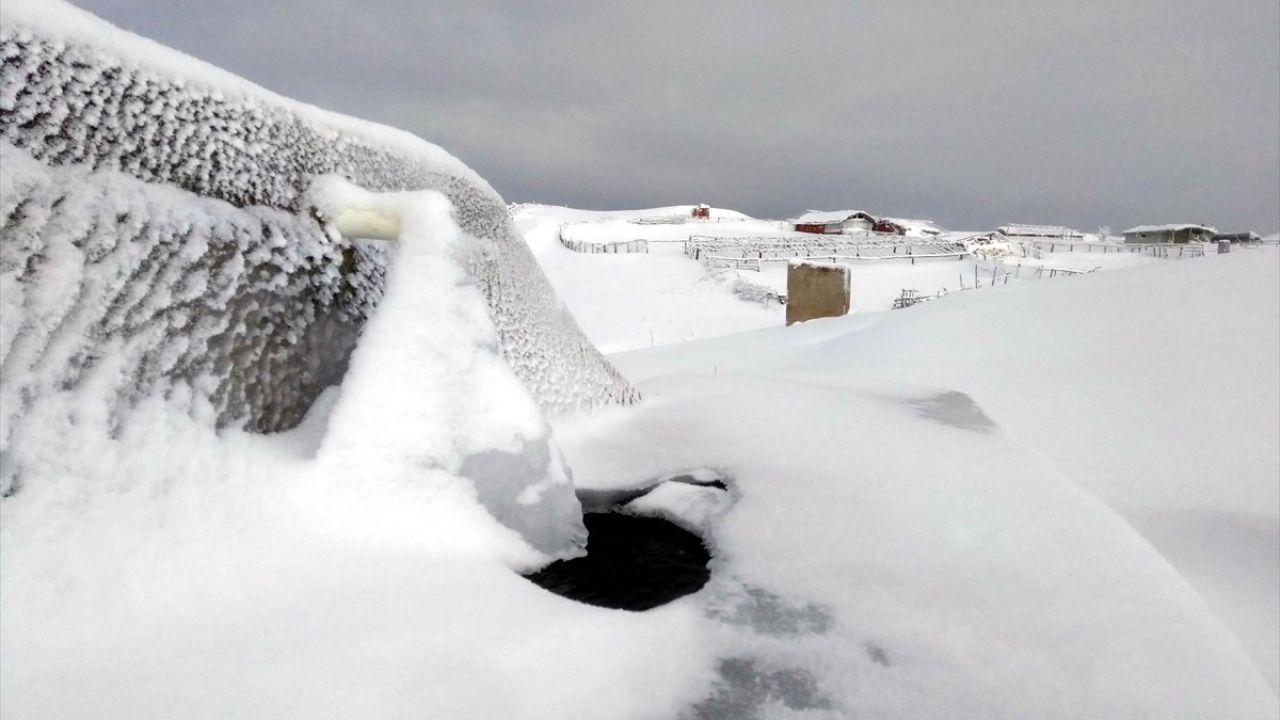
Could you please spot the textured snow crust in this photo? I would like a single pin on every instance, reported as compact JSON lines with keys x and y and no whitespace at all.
{"x":95,"y":118}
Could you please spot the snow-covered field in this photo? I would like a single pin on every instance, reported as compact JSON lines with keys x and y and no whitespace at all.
{"x":1156,"y":389}
{"x":1048,"y":498}
{"x":633,"y":301}
{"x":624,"y":302}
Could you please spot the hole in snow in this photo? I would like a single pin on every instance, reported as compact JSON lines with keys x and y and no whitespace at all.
{"x":632,"y":563}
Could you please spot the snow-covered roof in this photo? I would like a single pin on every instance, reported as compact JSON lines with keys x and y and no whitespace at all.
{"x":1023,"y":229}
{"x":1170,"y":227}
{"x":814,"y":217}
{"x":909,"y":225}
{"x":961,"y":236}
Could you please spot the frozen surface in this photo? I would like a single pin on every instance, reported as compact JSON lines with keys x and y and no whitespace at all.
{"x":129,"y":139}
{"x":428,"y":391}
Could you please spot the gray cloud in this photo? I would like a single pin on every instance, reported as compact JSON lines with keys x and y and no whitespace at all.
{"x":972,"y":114}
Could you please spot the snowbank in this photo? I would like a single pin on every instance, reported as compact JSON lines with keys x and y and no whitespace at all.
{"x":1154,"y":388}
{"x":892,"y":552}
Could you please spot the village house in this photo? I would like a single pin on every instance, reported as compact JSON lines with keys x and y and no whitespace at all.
{"x":849,"y":222}
{"x":836,"y":222}
{"x":1171,"y":233}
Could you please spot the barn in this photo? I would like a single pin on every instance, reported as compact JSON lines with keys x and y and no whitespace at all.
{"x":1171,"y":233}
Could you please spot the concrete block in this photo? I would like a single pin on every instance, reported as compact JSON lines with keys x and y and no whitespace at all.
{"x":816,"y":290}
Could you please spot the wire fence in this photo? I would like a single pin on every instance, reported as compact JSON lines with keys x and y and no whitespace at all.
{"x":800,"y":246}
{"x":1162,"y":250}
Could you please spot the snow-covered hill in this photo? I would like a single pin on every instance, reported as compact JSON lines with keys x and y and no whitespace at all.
{"x":1157,"y":389}
{"x":629,"y":301}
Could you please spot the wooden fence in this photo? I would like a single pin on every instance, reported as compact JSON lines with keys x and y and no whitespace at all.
{"x":619,"y":247}
{"x":1163,"y":250}
{"x":801,"y":246}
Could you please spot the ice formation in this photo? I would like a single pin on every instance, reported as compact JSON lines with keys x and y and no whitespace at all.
{"x":191,"y":183}
{"x":428,"y":398}
{"x":155,"y":219}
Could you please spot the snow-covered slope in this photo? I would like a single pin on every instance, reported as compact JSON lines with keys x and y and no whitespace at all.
{"x":1156,"y":388}
{"x":623,"y":302}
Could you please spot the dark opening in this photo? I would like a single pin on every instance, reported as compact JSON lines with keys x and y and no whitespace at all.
{"x":632,"y":563}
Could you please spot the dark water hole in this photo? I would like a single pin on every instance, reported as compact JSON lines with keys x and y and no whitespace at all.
{"x":632,"y":563}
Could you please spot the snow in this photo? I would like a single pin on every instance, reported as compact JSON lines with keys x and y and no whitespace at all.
{"x":915,"y":228}
{"x":1118,"y":378}
{"x":640,"y":300}
{"x":897,"y":557}
{"x":432,"y":338}
{"x":1167,"y":228}
{"x":345,"y":568}
{"x":691,"y":506}
{"x":1029,"y":501}
{"x":629,"y":301}
{"x":1048,"y":231}
{"x":66,"y":24}
{"x":825,"y":216}
{"x":98,"y":107}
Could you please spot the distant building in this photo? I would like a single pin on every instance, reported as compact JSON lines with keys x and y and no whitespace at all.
{"x":1171,"y":233}
{"x":849,"y":222}
{"x":1015,"y":230}
{"x":834,"y":223}
{"x":906,"y":226}
{"x":702,"y":212}
{"x":1240,"y":237}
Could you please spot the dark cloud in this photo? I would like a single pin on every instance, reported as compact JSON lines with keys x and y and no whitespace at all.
{"x":972,"y":114}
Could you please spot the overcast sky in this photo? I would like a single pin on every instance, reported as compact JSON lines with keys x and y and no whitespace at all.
{"x":971,"y":114}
